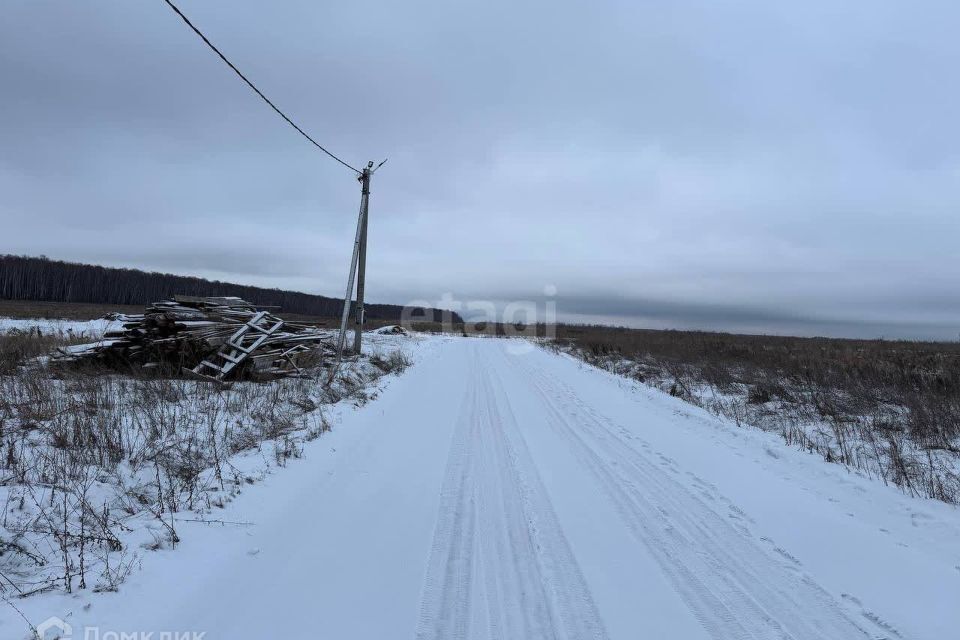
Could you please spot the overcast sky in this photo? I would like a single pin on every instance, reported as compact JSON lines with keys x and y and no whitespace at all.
{"x":747,"y":166}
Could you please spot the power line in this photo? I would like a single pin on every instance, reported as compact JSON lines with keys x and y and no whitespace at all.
{"x":257,"y":91}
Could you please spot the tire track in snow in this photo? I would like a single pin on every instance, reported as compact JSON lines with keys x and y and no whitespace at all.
{"x":449,"y":584}
{"x":734,"y":587}
{"x":574,"y":613}
{"x":500,"y":566}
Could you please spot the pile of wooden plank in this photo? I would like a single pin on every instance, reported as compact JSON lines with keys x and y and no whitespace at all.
{"x":208,"y":338}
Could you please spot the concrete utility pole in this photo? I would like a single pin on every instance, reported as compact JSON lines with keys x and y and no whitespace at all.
{"x":362,"y":264}
{"x":357,"y":263}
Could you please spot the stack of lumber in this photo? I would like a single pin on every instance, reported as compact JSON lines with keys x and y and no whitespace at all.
{"x":209,"y":338}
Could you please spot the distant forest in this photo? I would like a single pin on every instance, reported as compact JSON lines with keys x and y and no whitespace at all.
{"x":43,"y":279}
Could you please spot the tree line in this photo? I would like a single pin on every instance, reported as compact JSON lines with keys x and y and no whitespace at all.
{"x":43,"y":279}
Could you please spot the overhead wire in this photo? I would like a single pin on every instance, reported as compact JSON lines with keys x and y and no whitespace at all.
{"x":255,"y":89}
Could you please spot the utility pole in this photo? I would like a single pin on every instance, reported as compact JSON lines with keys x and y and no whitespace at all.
{"x":362,"y":264}
{"x":357,"y":263}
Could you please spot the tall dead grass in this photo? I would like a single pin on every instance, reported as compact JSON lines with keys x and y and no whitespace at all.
{"x":91,"y":461}
{"x":888,"y":408}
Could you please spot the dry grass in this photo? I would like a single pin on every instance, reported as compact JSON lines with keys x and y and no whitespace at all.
{"x":889,"y":408}
{"x":95,"y":465}
{"x":17,"y":348}
{"x":29,"y":309}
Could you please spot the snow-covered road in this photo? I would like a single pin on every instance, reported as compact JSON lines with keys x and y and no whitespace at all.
{"x":496,"y":491}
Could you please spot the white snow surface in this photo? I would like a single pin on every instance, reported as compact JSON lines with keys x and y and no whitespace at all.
{"x":78,"y":328}
{"x":497,"y":490}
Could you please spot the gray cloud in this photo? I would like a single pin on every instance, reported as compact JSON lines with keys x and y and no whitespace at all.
{"x":754,"y":166}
